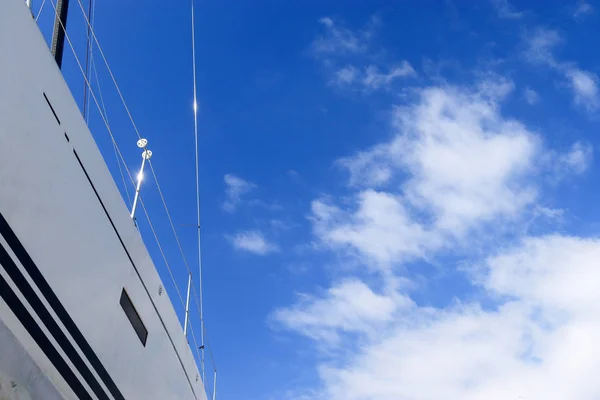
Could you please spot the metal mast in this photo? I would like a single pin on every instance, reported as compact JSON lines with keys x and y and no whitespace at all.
{"x":58,"y":37}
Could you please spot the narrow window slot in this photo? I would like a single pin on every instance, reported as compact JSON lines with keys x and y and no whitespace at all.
{"x":134,"y":317}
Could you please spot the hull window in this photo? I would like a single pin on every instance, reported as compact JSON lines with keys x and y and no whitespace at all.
{"x":134,"y":317}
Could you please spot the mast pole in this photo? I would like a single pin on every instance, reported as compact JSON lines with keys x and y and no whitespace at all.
{"x":58,"y":36}
{"x":195,"y":89}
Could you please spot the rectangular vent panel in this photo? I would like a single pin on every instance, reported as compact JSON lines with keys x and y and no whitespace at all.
{"x":134,"y":317}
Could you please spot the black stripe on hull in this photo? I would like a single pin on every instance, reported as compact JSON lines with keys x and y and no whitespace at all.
{"x":40,"y":338}
{"x":38,"y":307}
{"x":39,"y":280}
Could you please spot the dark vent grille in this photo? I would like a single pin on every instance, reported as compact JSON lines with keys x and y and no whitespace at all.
{"x":134,"y":317}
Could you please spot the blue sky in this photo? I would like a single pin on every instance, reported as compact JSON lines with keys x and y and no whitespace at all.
{"x":398,"y":198}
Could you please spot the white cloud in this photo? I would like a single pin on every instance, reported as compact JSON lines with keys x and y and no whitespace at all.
{"x":379,"y":229}
{"x":235,"y":188}
{"x":538,"y":343}
{"x":465,"y":161}
{"x":583,"y":8}
{"x":583,"y":84}
{"x":495,"y":87}
{"x":505,"y":10}
{"x":346,"y":75}
{"x":456,"y":167}
{"x":350,"y":306}
{"x":340,"y":40}
{"x":253,"y":242}
{"x":577,"y":160}
{"x":374,"y":79}
{"x":552,"y":272}
{"x":531,"y":96}
{"x":338,"y":45}
{"x":541,"y":44}
{"x":371,"y":78}
{"x":366,"y":170}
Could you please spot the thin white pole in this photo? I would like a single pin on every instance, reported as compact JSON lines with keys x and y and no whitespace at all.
{"x":137,"y":189}
{"x":215,"y":386}
{"x":198,"y":191}
{"x":146,"y":154}
{"x":187,"y":305}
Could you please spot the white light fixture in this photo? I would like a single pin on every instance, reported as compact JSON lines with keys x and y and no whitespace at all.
{"x":146,"y":155}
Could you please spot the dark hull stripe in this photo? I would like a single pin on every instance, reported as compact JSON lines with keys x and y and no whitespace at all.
{"x":38,"y":307}
{"x":51,"y":108}
{"x":57,"y":306}
{"x":40,"y":338}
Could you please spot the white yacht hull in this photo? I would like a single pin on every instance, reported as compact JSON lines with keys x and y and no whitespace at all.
{"x":69,"y":251}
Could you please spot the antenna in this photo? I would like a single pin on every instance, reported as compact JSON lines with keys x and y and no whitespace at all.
{"x":146,"y":155}
{"x":195,"y":89}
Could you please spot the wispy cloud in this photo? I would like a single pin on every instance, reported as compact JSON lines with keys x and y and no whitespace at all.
{"x":541,"y":45}
{"x":339,"y":40}
{"x":582,"y":10}
{"x":271,"y":206}
{"x":506,"y":10}
{"x":351,"y":57}
{"x":375,"y":79}
{"x":531,"y":96}
{"x":578,"y":159}
{"x":584,"y":85}
{"x":371,"y":78}
{"x":235,"y":188}
{"x":346,"y":75}
{"x":253,"y":242}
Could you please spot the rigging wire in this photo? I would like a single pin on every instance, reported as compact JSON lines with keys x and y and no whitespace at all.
{"x":40,"y":10}
{"x":88,"y":54}
{"x":211,"y":354}
{"x":169,"y":217}
{"x":195,"y":342}
{"x":112,"y":76}
{"x":103,"y":110}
